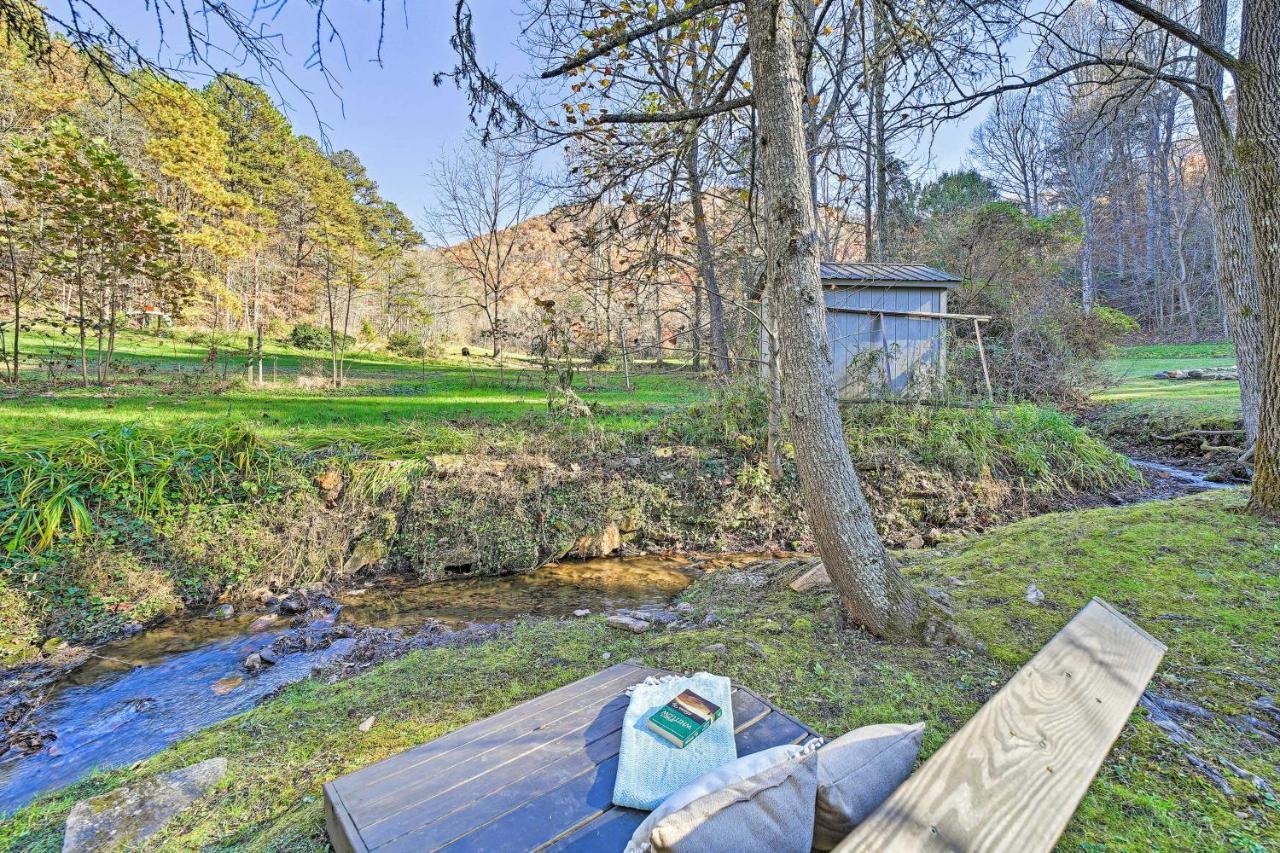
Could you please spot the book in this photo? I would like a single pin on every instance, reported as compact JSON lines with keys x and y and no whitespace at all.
{"x":684,"y":718}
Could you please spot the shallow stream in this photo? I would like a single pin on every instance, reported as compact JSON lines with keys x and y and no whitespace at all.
{"x":137,"y":695}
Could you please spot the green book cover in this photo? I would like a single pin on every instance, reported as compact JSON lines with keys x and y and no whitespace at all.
{"x":684,"y":718}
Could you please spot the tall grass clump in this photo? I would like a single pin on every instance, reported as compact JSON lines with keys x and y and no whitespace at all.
{"x":1035,"y":444}
{"x":145,"y":472}
{"x":734,"y":416}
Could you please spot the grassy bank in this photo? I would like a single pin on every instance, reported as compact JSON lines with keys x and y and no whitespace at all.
{"x":1196,"y":572}
{"x":111,"y":523}
{"x":1138,"y":406}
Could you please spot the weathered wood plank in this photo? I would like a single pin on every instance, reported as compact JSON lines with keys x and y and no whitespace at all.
{"x":610,"y":831}
{"x":364,"y":788}
{"x":343,"y":834}
{"x":425,"y":799}
{"x":1012,"y":777}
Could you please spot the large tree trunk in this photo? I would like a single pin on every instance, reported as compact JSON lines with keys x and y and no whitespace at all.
{"x":1258,"y":150}
{"x":1232,"y":231}
{"x":872,"y":589}
{"x":706,"y":262}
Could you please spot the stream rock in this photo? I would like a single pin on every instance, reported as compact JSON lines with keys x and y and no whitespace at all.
{"x":128,"y":816}
{"x":222,"y":612}
{"x":627,"y":623}
{"x":372,"y":646}
{"x":602,"y":544}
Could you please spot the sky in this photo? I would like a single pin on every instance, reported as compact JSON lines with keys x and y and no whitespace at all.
{"x":390,"y":114}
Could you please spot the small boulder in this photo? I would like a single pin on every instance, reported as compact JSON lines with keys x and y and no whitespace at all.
{"x":710,"y":621}
{"x":263,"y":622}
{"x":582,"y":611}
{"x":293,"y":603}
{"x":715,"y":648}
{"x":329,"y":483}
{"x":627,"y":623}
{"x":661,"y":617}
{"x":602,"y":544}
{"x":812,"y":579}
{"x":222,"y":611}
{"x":684,"y":607}
{"x":127,"y":816}
{"x":223,"y":686}
{"x":914,"y":543}
{"x":366,"y":724}
{"x":1034,"y":595}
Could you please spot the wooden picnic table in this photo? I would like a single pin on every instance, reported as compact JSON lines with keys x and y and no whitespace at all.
{"x":537,"y":776}
{"x":540,"y":776}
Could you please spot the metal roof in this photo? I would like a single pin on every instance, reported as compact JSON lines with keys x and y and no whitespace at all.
{"x":890,"y":275}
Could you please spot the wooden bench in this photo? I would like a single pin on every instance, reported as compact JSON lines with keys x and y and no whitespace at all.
{"x":1012,"y":777}
{"x":537,"y":776}
{"x":540,"y":775}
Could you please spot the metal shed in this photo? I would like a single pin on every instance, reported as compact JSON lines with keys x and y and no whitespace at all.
{"x":886,"y":324}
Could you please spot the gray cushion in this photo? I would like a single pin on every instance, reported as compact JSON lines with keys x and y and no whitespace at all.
{"x":763,"y":801}
{"x":857,"y":772}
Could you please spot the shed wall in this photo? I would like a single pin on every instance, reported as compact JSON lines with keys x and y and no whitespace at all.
{"x":916,"y":346}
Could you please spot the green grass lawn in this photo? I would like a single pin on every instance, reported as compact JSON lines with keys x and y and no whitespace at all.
{"x":1197,"y":573}
{"x":1134,"y":368}
{"x":386,"y":398}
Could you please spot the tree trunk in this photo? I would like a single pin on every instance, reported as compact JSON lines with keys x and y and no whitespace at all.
{"x":1258,"y":149}
{"x":1088,"y":288}
{"x":1232,"y":231}
{"x":706,"y":262}
{"x":873,"y":591}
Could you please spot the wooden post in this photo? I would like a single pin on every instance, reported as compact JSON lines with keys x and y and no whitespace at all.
{"x":626,"y":367}
{"x":888,"y":371}
{"x":982,"y":355}
{"x":249,"y":363}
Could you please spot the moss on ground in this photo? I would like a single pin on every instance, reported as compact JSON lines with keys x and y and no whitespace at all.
{"x":1196,"y":572}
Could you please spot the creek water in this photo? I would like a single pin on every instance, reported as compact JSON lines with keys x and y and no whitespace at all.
{"x":137,"y":695}
{"x":1165,"y":481}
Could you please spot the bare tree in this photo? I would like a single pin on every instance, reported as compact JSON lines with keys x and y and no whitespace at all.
{"x":1012,"y":144}
{"x":482,"y":194}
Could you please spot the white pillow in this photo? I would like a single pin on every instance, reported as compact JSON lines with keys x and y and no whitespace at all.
{"x":857,"y":772}
{"x":762,"y":801}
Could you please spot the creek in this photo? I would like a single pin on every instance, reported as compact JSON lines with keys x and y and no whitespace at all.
{"x":135,"y":696}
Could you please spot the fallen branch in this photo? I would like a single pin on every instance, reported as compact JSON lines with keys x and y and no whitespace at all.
{"x":1198,"y":432}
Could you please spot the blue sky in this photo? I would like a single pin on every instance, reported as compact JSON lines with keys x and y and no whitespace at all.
{"x":390,"y":114}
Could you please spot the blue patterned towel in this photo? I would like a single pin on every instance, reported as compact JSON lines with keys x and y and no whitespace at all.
{"x":649,"y":768}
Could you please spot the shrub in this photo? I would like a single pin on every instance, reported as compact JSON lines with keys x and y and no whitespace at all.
{"x":307,"y":336}
{"x":405,"y":344}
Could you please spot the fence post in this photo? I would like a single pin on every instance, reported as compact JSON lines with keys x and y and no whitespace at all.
{"x":982,"y":355}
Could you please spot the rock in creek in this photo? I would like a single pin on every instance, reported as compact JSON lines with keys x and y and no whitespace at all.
{"x":602,"y":544}
{"x":627,"y":623}
{"x":128,"y":816}
{"x":222,"y":611}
